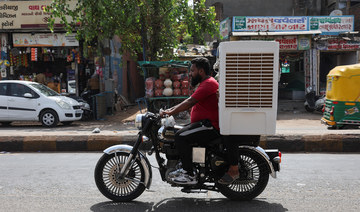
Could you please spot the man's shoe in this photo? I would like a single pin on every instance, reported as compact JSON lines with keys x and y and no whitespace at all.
{"x":185,"y":179}
{"x":227,"y":179}
{"x":176,"y":173}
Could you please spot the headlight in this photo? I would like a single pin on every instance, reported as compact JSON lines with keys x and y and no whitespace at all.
{"x":63,"y":104}
{"x":138,"y":120}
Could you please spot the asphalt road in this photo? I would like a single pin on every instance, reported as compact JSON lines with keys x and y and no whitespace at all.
{"x":64,"y":182}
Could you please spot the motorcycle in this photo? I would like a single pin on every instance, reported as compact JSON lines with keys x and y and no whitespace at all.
{"x":313,"y":102}
{"x":83,"y":99}
{"x":124,"y":172}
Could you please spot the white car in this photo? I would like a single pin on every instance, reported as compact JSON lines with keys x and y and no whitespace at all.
{"x":31,"y":101}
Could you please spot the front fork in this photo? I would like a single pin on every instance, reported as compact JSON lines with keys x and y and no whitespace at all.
{"x":124,"y":170}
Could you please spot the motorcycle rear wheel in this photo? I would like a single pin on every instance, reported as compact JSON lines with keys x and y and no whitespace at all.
{"x":109,"y":183}
{"x":254,"y":176}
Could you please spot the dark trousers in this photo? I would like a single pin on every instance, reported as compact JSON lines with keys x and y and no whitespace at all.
{"x":232,"y":143}
{"x":232,"y":151}
{"x":199,"y":133}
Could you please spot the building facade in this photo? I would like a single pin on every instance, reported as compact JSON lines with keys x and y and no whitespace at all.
{"x":311,"y":43}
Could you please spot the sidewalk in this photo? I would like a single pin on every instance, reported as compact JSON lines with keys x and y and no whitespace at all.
{"x":297,"y":131}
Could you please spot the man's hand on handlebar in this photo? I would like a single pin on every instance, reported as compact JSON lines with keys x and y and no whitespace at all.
{"x":163,"y":113}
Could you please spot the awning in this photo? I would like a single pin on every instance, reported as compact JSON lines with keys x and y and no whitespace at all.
{"x":313,"y":32}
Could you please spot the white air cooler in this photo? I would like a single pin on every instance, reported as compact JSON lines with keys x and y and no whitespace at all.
{"x":248,"y":87}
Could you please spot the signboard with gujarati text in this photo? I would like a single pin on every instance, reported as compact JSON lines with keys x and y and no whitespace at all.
{"x":337,"y":44}
{"x":290,"y":42}
{"x":270,"y":23}
{"x":26,"y":14}
{"x":332,"y":25}
{"x":44,"y":40}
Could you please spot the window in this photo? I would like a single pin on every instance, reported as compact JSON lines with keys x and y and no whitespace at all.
{"x":20,"y":90}
{"x":3,"y":89}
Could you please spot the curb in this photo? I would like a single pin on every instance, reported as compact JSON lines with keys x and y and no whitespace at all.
{"x":313,"y":143}
{"x":285,"y":143}
{"x":63,"y":143}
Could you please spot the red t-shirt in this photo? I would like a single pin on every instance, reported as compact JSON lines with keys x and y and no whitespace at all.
{"x":207,"y":105}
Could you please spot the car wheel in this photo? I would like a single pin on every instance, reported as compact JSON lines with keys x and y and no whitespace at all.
{"x":67,"y":123}
{"x":49,"y":118}
{"x":5,"y":123}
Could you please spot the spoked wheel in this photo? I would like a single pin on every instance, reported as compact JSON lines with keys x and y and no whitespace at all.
{"x":110,"y":184}
{"x":254,"y":176}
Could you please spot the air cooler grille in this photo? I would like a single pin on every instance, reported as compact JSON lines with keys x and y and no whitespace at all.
{"x":249,"y":80}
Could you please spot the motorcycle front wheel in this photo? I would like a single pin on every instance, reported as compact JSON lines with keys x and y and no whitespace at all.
{"x":254,"y":176}
{"x":111,"y":185}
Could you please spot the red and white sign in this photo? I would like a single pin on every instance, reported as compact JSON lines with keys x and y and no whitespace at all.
{"x":288,"y":43}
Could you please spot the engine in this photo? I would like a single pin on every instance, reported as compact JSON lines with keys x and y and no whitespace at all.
{"x":218,"y":163}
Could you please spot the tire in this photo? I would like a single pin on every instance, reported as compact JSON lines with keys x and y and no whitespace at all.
{"x":333,"y":127}
{"x":308,"y":109}
{"x":119,"y":190}
{"x":336,"y":127}
{"x":5,"y":123}
{"x":251,"y":181}
{"x":67,"y":123}
{"x":49,"y":118}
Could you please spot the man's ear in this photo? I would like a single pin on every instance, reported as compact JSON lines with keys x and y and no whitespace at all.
{"x":201,"y":71}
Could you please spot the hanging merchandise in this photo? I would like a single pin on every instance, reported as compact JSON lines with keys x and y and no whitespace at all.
{"x":21,"y":59}
{"x":3,"y":73}
{"x":78,"y":58}
{"x":6,"y":63}
{"x":14,"y":60}
{"x":3,"y":69}
{"x":34,"y":54}
{"x":11,"y":59}
{"x":18,"y":62}
{"x":69,"y":57}
{"x":285,"y":67}
{"x":24,"y":60}
{"x":73,"y":53}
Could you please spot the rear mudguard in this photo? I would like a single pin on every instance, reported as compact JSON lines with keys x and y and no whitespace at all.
{"x":263,"y":154}
{"x":143,"y":160}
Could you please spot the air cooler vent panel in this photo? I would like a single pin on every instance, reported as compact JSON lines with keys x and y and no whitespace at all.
{"x":249,"y":80}
{"x":248,"y":87}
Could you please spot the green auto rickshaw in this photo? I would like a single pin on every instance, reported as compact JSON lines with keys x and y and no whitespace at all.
{"x":342,"y":97}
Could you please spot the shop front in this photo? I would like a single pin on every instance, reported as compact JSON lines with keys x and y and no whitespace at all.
{"x":28,"y":48}
{"x":55,"y":55}
{"x":334,"y":51}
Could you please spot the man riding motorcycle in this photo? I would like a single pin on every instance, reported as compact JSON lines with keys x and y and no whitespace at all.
{"x":204,"y":125}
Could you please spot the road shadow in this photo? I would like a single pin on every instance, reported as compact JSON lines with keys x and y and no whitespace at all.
{"x":36,"y":125}
{"x":190,"y":204}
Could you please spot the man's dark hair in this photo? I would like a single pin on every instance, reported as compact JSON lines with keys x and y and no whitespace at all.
{"x":202,"y":62}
